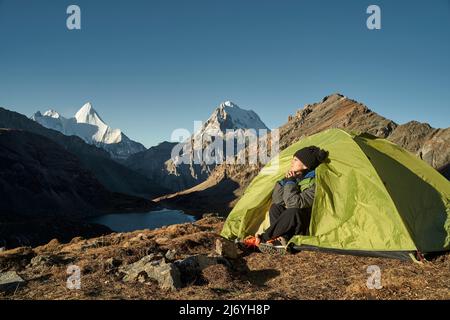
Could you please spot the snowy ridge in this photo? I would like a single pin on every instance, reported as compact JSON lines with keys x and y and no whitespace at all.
{"x":52,"y":114}
{"x":104,"y":133}
{"x":229,"y":116}
{"x":89,"y":126}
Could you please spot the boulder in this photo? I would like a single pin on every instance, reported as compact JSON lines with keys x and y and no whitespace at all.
{"x":226,"y":248}
{"x":170,"y":275}
{"x":166,"y":274}
{"x":43,"y":260}
{"x":10,"y":280}
{"x":48,"y":260}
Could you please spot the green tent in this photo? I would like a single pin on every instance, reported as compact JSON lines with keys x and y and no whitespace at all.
{"x":372,"y":198}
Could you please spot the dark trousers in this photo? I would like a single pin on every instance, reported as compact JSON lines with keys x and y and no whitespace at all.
{"x":287,"y":222}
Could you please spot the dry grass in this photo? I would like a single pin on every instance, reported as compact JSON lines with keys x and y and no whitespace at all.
{"x":305,"y":275}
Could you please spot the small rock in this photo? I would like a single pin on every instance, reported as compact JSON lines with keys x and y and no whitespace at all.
{"x":171,"y":254}
{"x":226,"y":248}
{"x":137,"y":266}
{"x":166,"y":274}
{"x":48,"y":260}
{"x":10,"y":280}
{"x":41,"y":260}
{"x":2,"y":249}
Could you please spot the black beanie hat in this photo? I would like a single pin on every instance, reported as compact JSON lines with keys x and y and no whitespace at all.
{"x":311,"y":156}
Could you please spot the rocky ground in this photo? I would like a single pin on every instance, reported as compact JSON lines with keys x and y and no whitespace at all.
{"x":180,"y":262}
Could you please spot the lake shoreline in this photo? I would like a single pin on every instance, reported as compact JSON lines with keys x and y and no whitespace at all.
{"x":132,"y":221}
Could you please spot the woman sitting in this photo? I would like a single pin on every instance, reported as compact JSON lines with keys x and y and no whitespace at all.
{"x":292,"y":201}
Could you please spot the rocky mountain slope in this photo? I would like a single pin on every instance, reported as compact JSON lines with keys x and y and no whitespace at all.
{"x":111,"y":174}
{"x":226,"y":183}
{"x":431,"y":145}
{"x":44,"y":188}
{"x":190,"y":166}
{"x":89,"y":126}
{"x":180,"y":262}
{"x":153,"y":163}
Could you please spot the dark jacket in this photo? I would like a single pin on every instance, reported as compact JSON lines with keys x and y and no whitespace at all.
{"x":287,"y":193}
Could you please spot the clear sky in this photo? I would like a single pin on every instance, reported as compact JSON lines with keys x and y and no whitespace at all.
{"x":149,"y":67}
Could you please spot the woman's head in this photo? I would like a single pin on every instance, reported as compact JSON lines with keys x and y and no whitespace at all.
{"x":308,"y":158}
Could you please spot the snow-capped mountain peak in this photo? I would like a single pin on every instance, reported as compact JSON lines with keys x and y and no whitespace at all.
{"x":87,"y":114}
{"x":88,"y":125}
{"x":52,"y":114}
{"x":229,"y":115}
{"x":227,"y":104}
{"x":228,"y":122}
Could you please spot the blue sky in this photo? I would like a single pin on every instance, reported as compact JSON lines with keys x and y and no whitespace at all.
{"x":149,"y":67}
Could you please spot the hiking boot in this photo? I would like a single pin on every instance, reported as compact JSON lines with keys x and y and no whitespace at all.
{"x":251,"y":242}
{"x":274,"y":247}
{"x":280,"y":241}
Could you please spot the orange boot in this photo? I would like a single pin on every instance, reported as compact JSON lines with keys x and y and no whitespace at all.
{"x":252,"y":242}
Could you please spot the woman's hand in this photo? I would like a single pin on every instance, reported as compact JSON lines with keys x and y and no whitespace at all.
{"x":292,"y":174}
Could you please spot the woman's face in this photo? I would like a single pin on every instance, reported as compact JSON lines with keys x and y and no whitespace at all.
{"x":297,"y":166}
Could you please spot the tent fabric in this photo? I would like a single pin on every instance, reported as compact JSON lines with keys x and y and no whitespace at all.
{"x":371,"y":195}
